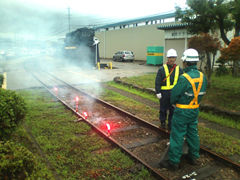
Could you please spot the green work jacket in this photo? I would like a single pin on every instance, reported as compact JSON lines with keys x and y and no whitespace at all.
{"x":182,"y":92}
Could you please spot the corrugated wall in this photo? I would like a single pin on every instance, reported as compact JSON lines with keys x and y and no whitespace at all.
{"x":178,"y":45}
{"x":135,"y":39}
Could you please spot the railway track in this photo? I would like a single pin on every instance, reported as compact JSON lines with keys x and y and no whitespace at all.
{"x":140,"y":139}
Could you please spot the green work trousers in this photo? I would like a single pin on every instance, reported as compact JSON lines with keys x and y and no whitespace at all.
{"x":181,"y":127}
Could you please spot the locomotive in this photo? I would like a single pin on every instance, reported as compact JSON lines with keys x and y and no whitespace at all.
{"x":81,"y":47}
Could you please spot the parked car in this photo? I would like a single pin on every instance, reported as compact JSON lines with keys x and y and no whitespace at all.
{"x":123,"y":56}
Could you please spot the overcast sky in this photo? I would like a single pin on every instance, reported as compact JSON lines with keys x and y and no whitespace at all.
{"x":38,"y":18}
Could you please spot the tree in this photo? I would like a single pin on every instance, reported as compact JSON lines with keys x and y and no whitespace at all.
{"x":232,"y":53}
{"x":206,"y":45}
{"x":235,"y":10}
{"x":221,"y":13}
{"x":204,"y":16}
{"x":208,"y":15}
{"x":198,"y":17}
{"x":1,"y":80}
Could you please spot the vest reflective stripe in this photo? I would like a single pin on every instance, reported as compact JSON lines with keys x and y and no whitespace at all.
{"x":168,"y":85}
{"x":194,"y":103}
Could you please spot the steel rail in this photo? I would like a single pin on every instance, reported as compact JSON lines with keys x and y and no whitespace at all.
{"x":104,"y":134}
{"x":203,"y":149}
{"x":152,"y":126}
{"x":166,"y":133}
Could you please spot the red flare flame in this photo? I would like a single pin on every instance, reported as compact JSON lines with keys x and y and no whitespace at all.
{"x":85,"y":114}
{"x":108,"y":127}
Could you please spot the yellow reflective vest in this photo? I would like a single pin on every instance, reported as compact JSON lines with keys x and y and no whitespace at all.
{"x":194,"y":103}
{"x":168,"y":85}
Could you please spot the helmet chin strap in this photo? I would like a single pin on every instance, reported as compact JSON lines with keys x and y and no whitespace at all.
{"x":185,"y":64}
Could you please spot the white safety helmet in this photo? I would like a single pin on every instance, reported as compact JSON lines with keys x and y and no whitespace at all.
{"x":190,"y":55}
{"x":172,"y":53}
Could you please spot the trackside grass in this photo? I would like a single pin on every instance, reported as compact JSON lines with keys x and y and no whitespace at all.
{"x":145,"y":81}
{"x":141,"y":110}
{"x":134,"y":91}
{"x":207,"y":116}
{"x":217,"y":141}
{"x":228,"y":122}
{"x":69,"y":150}
{"x":223,"y":93}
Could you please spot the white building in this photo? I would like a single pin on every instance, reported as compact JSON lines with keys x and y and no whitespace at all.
{"x":136,"y":35}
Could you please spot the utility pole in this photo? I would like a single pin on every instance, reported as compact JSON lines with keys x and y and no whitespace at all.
{"x":68,"y":19}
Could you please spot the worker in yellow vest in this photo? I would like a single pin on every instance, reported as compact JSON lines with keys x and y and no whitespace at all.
{"x":186,"y":95}
{"x":166,"y":79}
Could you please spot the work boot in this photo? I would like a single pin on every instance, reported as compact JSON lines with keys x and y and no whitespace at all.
{"x":169,"y":128}
{"x":168,"y":165}
{"x":163,"y":125}
{"x":192,"y":161}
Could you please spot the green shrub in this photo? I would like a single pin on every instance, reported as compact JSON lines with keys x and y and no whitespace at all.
{"x":12,"y":111}
{"x":222,"y":69}
{"x":17,"y":162}
{"x":1,"y":80}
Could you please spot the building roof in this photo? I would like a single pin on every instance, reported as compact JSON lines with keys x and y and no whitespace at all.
{"x":172,"y":26}
{"x":139,"y":20}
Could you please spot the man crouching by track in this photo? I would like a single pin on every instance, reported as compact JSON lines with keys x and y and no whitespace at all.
{"x":186,"y":96}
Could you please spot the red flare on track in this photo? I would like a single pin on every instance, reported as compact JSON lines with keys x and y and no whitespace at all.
{"x":85,"y":115}
{"x":108,"y":128}
{"x":76,"y":99}
{"x":56,"y":90}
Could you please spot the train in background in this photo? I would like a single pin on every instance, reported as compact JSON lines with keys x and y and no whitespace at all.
{"x":81,"y":47}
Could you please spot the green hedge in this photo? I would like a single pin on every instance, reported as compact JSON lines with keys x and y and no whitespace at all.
{"x":17,"y":162}
{"x":1,"y":80}
{"x":12,"y":111}
{"x":222,"y":69}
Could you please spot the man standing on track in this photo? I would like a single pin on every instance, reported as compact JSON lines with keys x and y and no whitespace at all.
{"x":186,"y":95}
{"x":167,"y":77}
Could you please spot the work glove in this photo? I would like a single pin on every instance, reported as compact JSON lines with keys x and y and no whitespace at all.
{"x":159,"y":95}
